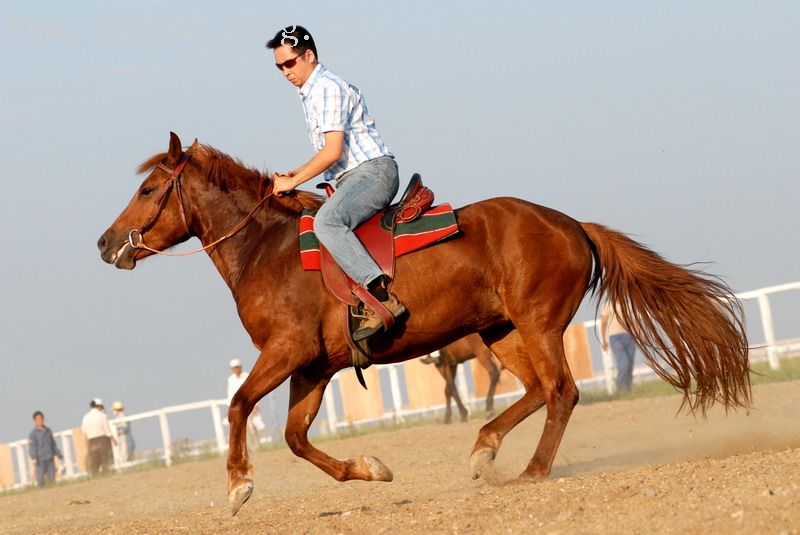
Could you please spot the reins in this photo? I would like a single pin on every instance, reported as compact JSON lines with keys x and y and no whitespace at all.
{"x":136,"y":236}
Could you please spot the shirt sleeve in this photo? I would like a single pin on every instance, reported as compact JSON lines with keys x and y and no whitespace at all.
{"x":335,"y":107}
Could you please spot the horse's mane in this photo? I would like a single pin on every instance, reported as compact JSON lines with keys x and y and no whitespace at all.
{"x":230,"y":174}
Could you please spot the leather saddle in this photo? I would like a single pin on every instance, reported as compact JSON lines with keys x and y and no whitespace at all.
{"x":377,"y":236}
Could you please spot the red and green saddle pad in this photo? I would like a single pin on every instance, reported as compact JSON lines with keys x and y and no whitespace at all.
{"x":433,"y":226}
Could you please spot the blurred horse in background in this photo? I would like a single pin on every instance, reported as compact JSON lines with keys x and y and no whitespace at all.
{"x":468,"y":348}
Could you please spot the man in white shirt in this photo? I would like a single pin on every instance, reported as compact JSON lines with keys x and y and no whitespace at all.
{"x":235,"y":380}
{"x":99,"y":438}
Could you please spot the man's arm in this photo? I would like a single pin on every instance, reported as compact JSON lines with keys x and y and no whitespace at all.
{"x":230,"y":391}
{"x":330,"y":153}
{"x":32,"y":447}
{"x":604,"y":331}
{"x":108,"y":431}
{"x":56,"y":451}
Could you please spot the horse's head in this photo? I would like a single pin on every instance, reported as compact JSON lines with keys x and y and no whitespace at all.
{"x":156,"y":211}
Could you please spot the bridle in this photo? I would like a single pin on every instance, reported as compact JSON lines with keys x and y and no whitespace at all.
{"x":136,"y":236}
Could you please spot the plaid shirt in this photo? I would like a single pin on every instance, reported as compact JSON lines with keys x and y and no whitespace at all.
{"x":331,"y":103}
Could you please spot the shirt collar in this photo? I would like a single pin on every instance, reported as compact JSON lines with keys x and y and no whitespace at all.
{"x":306,"y":88}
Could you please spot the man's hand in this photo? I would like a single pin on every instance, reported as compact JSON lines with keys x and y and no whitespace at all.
{"x":604,"y":345}
{"x":283,"y":183}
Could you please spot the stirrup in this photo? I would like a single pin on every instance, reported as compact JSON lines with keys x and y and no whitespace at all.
{"x":362,"y":333}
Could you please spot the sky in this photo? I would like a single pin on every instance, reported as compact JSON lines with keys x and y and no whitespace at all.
{"x":675,"y":121}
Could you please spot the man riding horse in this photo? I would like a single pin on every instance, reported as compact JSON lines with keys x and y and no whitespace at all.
{"x":349,"y":150}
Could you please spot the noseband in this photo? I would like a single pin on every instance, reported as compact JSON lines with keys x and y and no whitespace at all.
{"x":136,"y":236}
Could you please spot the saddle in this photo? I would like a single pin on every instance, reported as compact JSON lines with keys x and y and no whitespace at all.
{"x":377,"y":234}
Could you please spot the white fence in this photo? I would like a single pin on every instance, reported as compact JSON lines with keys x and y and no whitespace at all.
{"x":395,"y":409}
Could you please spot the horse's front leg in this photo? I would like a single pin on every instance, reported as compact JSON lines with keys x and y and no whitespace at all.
{"x":306,"y":391}
{"x":267,"y":374}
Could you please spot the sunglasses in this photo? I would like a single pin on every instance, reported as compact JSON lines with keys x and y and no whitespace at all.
{"x":289,"y":63}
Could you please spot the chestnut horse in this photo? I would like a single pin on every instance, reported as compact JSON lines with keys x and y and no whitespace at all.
{"x":516,"y":277}
{"x":468,"y":348}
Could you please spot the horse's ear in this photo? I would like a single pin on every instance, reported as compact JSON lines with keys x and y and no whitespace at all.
{"x":175,"y":150}
{"x":194,"y":145}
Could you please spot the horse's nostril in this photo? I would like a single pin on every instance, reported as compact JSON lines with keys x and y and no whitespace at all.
{"x":101,"y":243}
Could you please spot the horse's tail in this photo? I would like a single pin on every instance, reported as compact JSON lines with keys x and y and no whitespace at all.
{"x":688,"y":324}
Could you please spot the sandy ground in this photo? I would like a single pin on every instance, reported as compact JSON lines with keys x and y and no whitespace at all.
{"x":623,"y":467}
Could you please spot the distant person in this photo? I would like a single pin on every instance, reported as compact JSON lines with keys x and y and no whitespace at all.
{"x":43,"y":450}
{"x":623,"y":347}
{"x":99,"y":438}
{"x":236,"y":378}
{"x":125,"y":443}
{"x":254,"y":422}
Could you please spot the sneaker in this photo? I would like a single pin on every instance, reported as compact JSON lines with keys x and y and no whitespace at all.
{"x":373,"y":324}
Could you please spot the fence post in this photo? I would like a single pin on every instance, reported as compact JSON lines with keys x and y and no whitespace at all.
{"x":218,"y":427}
{"x":66,"y":451}
{"x":330,"y":407}
{"x":116,"y":462}
{"x":162,"y":420}
{"x":397,"y":398}
{"x":608,"y":372}
{"x":769,"y":331}
{"x":22,"y":463}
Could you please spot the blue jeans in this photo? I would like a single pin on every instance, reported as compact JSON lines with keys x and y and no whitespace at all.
{"x":45,"y":467}
{"x":624,"y":351}
{"x":361,"y":192}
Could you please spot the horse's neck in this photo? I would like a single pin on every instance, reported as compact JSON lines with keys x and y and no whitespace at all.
{"x":216,"y":213}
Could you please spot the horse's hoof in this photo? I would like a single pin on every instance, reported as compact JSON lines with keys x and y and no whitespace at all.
{"x":532,"y":477}
{"x":481,"y":460}
{"x":376,"y":469}
{"x":465,"y":417}
{"x":240,"y":494}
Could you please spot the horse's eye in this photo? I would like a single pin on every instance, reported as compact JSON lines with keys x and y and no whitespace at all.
{"x":146,"y":192}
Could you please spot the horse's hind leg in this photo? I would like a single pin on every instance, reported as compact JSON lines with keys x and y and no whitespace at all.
{"x":560,"y":395}
{"x":305,"y":397}
{"x":511,"y":351}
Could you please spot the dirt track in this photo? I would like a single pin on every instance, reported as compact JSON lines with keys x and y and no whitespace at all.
{"x":623,"y":467}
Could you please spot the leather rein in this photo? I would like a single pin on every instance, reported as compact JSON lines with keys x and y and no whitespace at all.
{"x":136,"y":236}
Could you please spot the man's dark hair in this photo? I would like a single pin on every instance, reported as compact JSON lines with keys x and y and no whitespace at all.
{"x":299,"y":38}
{"x":37,"y":413}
